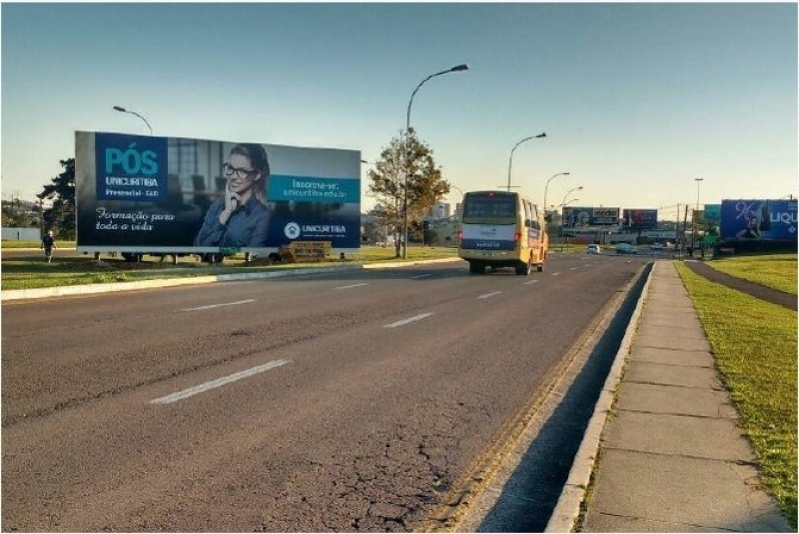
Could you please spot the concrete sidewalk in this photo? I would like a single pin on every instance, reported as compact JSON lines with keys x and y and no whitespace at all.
{"x":673,"y":458}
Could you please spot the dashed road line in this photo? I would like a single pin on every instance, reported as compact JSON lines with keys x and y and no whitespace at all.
{"x":211,"y":306}
{"x":489,"y":295}
{"x":353,"y":285}
{"x":408,"y":320}
{"x":186,"y":393}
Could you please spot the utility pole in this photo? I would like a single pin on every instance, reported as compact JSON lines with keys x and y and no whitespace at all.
{"x":684,"y":228}
{"x":677,"y":242}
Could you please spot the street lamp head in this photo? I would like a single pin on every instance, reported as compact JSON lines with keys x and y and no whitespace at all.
{"x":542,"y":134}
{"x":120,"y":108}
{"x":457,"y":68}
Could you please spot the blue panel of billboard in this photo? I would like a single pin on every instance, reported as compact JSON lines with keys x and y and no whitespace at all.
{"x":747,"y":219}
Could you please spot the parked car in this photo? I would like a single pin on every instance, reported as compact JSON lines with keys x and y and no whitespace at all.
{"x":625,"y":248}
{"x":593,"y":249}
{"x":656,"y":246}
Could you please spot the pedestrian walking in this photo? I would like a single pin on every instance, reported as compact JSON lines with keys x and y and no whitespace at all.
{"x":48,"y":244}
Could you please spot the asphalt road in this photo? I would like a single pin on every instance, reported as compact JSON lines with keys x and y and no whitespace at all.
{"x":347,"y":402}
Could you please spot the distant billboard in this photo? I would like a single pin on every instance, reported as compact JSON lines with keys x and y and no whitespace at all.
{"x":167,"y":194}
{"x":713,"y":213}
{"x":640,"y":219}
{"x":758,"y":219}
{"x":579,"y":217}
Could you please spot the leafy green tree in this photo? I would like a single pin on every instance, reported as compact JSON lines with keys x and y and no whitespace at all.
{"x":387,"y":181}
{"x":60,"y":217}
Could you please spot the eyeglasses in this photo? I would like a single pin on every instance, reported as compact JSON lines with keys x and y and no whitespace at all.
{"x":230,"y":170}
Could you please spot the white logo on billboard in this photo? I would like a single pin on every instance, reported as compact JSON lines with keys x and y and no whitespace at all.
{"x":292,"y":230}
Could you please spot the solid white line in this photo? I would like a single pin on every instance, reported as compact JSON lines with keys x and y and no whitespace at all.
{"x":421,"y":276}
{"x":180,"y":395}
{"x":530,"y":282}
{"x":353,"y":285}
{"x":408,"y":320}
{"x":488,"y":295}
{"x":220,"y":305}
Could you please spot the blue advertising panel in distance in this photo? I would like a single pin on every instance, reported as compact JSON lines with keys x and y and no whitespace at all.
{"x":713,"y":213}
{"x":758,"y":219}
{"x":162,"y":194}
{"x":640,"y":219}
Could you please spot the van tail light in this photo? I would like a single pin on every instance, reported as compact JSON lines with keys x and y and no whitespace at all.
{"x":460,"y":235}
{"x":517,"y":237}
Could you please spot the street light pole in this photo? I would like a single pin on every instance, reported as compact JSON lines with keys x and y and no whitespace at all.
{"x":406,"y":153}
{"x":456,"y":188}
{"x":546,"y":187}
{"x":123,"y":110}
{"x":510,"y":161}
{"x":563,"y":207}
{"x":695,"y":218}
{"x":570,"y":191}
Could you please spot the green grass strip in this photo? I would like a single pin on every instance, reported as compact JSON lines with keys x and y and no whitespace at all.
{"x":755,"y":346}
{"x":33,"y":272}
{"x":777,"y":271}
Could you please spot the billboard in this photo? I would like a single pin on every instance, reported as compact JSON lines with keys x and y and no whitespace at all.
{"x":758,"y":219}
{"x":640,"y":219}
{"x":713,"y":214}
{"x":165,"y":194}
{"x":580,"y":217}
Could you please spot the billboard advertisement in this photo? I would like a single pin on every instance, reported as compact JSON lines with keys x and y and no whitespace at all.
{"x":758,"y":219}
{"x":167,"y":194}
{"x":640,"y":219}
{"x":580,"y":217}
{"x":713,"y":214}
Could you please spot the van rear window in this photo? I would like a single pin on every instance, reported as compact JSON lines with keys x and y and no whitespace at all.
{"x":490,"y":205}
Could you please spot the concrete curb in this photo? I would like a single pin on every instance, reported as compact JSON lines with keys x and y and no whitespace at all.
{"x":387,"y":265}
{"x":87,"y":289}
{"x":567,"y":509}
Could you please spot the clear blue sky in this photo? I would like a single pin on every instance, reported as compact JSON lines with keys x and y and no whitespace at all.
{"x":637,"y":100}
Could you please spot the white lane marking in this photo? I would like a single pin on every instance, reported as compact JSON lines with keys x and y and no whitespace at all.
{"x":180,"y":395}
{"x":353,"y":285}
{"x":421,"y":276}
{"x":489,"y":295}
{"x":555,"y":274}
{"x":573,"y":268}
{"x":530,"y":282}
{"x":408,"y":320}
{"x":220,"y":305}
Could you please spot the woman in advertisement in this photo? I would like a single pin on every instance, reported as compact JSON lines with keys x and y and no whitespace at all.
{"x":751,"y":230}
{"x":241,"y":218}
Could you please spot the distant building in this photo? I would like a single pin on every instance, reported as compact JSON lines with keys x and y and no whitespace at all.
{"x":441,"y":210}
